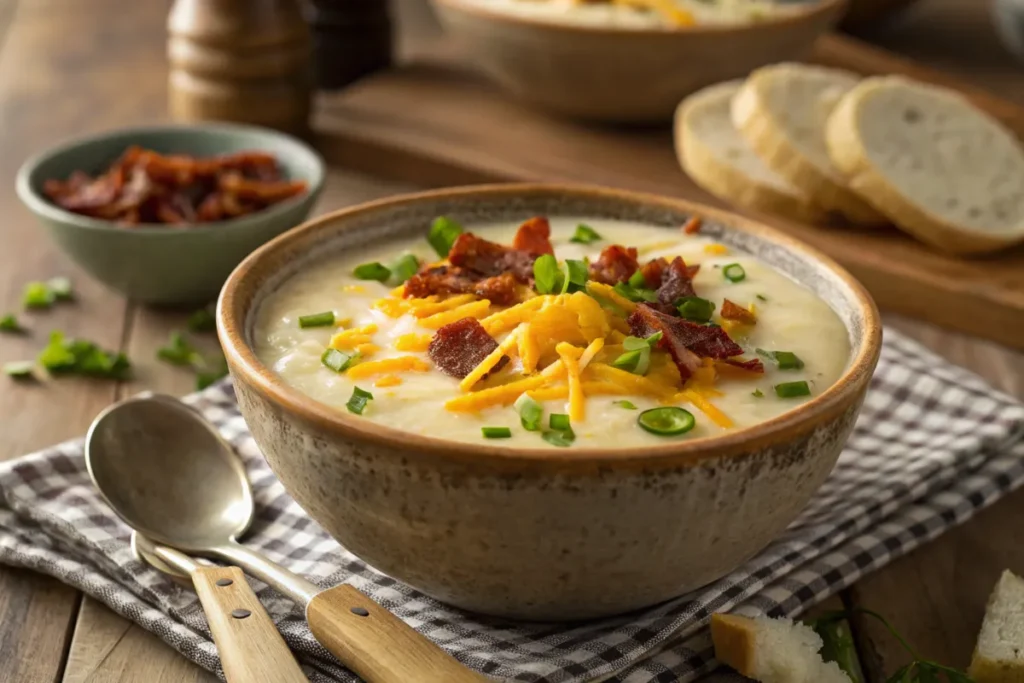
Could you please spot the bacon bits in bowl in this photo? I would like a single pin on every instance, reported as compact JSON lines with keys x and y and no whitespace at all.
{"x":163,"y":214}
{"x":547,"y":402}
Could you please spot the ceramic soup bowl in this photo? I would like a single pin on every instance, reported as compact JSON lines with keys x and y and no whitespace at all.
{"x":542,"y":533}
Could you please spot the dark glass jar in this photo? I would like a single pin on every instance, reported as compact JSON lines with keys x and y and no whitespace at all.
{"x":351,"y":38}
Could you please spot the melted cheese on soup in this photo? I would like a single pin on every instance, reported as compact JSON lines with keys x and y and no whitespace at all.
{"x":410,"y":394}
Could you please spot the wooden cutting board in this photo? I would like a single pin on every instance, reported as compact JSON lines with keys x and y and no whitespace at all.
{"x":435,"y":122}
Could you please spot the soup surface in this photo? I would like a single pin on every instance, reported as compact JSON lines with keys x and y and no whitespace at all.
{"x":595,"y":360}
{"x":644,"y":13}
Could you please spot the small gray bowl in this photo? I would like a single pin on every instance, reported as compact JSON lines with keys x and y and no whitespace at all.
{"x":161,"y":264}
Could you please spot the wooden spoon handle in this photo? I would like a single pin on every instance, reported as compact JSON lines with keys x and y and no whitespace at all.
{"x":377,"y":645}
{"x":250,"y":646}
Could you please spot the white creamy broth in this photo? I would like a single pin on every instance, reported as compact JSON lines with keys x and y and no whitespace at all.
{"x":642,"y":15}
{"x":789,"y":318}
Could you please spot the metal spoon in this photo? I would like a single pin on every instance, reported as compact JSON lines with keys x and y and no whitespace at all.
{"x":251,"y":648}
{"x":167,"y":473}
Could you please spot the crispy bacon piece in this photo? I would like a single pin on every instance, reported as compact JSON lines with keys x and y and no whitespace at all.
{"x":500,"y":289}
{"x":143,"y":186}
{"x":692,"y":226}
{"x":752,"y":365}
{"x":676,"y":281}
{"x":652,"y":271}
{"x":459,"y":347}
{"x":534,"y":237}
{"x":615,"y":264}
{"x":685,"y":341}
{"x":489,"y":258}
{"x":732,"y":311}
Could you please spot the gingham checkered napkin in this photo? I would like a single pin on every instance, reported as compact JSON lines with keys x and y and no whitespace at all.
{"x":934,"y":444}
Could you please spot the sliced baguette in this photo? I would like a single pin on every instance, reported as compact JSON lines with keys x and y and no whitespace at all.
{"x":942,"y":170}
{"x":782,"y":110}
{"x":716,"y":157}
{"x":772,"y":650}
{"x":999,"y":654}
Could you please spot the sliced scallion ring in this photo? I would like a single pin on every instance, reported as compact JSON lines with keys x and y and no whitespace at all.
{"x":336,"y":360}
{"x":666,"y":421}
{"x":734,"y":272}
{"x":496,"y":432}
{"x":317,"y":319}
{"x":584,"y":234}
{"x":443,"y":233}
{"x":695,"y":309}
{"x":357,"y":403}
{"x":372,"y":271}
{"x":792,"y":389}
{"x":559,"y":422}
{"x":531,"y":413}
{"x":404,"y":268}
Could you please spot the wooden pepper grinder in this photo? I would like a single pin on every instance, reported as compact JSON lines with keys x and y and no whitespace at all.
{"x":351,"y":38}
{"x":240,"y":60}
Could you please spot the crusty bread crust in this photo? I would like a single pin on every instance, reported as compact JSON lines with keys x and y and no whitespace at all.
{"x":984,"y":669}
{"x":733,"y":637}
{"x":846,"y":148}
{"x":769,"y":140}
{"x":719,"y":177}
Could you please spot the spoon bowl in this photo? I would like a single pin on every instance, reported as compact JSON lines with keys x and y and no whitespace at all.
{"x":168,"y":473}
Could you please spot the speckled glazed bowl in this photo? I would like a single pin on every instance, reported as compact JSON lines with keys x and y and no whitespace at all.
{"x":552,"y":534}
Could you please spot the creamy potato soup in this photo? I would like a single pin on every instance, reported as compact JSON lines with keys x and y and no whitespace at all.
{"x":681,"y":338}
{"x":644,"y":13}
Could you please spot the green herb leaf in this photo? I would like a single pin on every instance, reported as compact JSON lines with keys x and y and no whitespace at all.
{"x":584,"y":234}
{"x":496,"y":432}
{"x":531,"y":413}
{"x":784,"y":360}
{"x":339,"y":361}
{"x":357,"y":403}
{"x":443,"y":233}
{"x":757,"y":393}
{"x":9,"y":323}
{"x":38,"y":295}
{"x":20,"y":369}
{"x":792,"y":389}
{"x":562,"y":439}
{"x":404,"y":268}
{"x":325,"y":319}
{"x":628,"y":405}
{"x":80,"y":357}
{"x":61,"y":288}
{"x":635,"y":294}
{"x":637,"y":280}
{"x":202,"y":320}
{"x":630,"y":361}
{"x":761,"y":297}
{"x":372,"y":271}
{"x":546,"y":277}
{"x":639,"y":343}
{"x":695,"y":309}
{"x":574,"y":276}
{"x":559,"y":422}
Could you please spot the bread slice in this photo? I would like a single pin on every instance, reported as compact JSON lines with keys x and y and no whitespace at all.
{"x":999,"y":654}
{"x":942,"y":170}
{"x":782,"y":110}
{"x":772,"y":650}
{"x":716,"y":156}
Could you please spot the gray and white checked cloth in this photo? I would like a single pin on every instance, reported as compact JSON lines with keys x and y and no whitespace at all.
{"x":934,"y":445}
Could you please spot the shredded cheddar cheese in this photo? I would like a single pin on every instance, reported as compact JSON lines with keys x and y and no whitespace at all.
{"x":529,"y":352}
{"x":350,"y":339}
{"x":503,"y":321}
{"x":635,"y":383}
{"x":487,"y":364}
{"x":358,"y":289}
{"x":476,"y":309}
{"x":570,"y":359}
{"x":413,"y":342}
{"x":428,"y":309}
{"x":393,"y":308}
{"x":717,"y":249}
{"x":387,"y":365}
{"x":704,"y":406}
{"x":367,"y":349}
{"x":343,"y":322}
{"x":388,"y":381}
{"x":604,"y":291}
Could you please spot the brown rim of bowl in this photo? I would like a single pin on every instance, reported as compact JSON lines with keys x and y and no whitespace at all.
{"x":815,"y":9}
{"x":231,"y":323}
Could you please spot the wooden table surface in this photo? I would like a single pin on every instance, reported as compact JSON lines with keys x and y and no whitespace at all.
{"x":68,"y":67}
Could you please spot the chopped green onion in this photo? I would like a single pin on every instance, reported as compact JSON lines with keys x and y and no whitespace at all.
{"x":629,"y":361}
{"x":443,"y":233}
{"x":734,"y":272}
{"x":761,"y":297}
{"x":317,"y":319}
{"x":178,"y":351}
{"x":792,"y":389}
{"x":404,"y":268}
{"x":666,"y":421}
{"x":61,"y":288}
{"x":636,"y":343}
{"x":202,"y":320}
{"x":785,"y":360}
{"x":559,"y":422}
{"x":372,"y":271}
{"x":757,"y":393}
{"x":9,"y":323}
{"x":38,"y":295}
{"x":628,"y":405}
{"x":531,"y":413}
{"x":357,"y":403}
{"x":562,"y":439}
{"x":80,"y":357}
{"x":574,"y":276}
{"x":695,"y":309}
{"x":637,"y":280}
{"x":496,"y":432}
{"x":635,"y":294}
{"x":20,"y":369}
{"x":338,"y":360}
{"x":584,"y":234}
{"x":545,"y":274}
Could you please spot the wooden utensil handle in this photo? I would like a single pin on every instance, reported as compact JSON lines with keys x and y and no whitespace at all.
{"x":377,"y":645}
{"x":251,"y":648}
